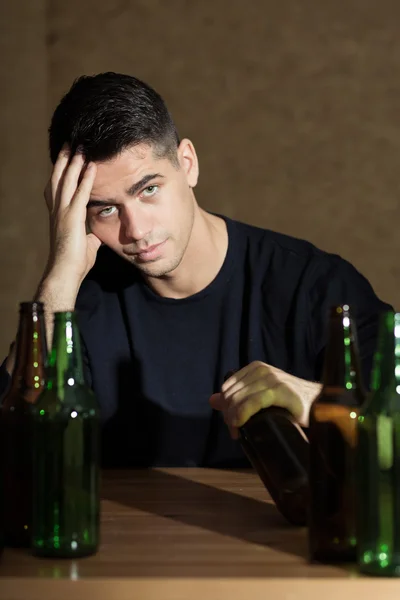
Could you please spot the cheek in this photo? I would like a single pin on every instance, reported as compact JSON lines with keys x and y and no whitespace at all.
{"x":106,"y":231}
{"x":180,"y":207}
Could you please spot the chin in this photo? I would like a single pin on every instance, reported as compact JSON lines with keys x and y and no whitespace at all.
{"x":158,"y":268}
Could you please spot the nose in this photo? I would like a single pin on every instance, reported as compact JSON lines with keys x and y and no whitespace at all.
{"x":135,"y":225}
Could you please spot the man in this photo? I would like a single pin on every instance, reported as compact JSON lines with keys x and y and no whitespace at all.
{"x":171,"y":297}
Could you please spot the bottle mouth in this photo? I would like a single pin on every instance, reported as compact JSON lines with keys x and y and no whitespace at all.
{"x":63,"y":315}
{"x":342,"y":310}
{"x":31,"y":307}
{"x":391,"y":320}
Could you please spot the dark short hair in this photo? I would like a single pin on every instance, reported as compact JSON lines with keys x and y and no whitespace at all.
{"x":106,"y":113}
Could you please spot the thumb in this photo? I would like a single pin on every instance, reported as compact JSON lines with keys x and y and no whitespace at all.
{"x":93,"y":242}
{"x":217,"y":401}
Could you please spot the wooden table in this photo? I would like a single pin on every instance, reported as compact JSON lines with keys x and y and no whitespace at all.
{"x":188,"y":534}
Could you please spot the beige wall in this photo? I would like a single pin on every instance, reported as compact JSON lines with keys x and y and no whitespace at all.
{"x":23,"y":123}
{"x":293,"y":108}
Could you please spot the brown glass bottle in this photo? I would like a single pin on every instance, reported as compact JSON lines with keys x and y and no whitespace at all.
{"x":333,"y":440}
{"x":1,"y":517}
{"x":27,"y":383}
{"x":277,"y":448}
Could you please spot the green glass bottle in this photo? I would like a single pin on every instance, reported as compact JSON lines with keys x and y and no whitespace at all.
{"x":66,"y":452}
{"x":333,"y":440}
{"x":378,"y":458}
{"x":27,"y":383}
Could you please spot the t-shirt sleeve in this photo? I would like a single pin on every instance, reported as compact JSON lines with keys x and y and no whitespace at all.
{"x":334,"y":281}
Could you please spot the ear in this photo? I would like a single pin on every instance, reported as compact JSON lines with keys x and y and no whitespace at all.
{"x":188,"y":161}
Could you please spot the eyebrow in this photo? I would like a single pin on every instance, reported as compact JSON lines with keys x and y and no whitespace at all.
{"x":132,"y":191}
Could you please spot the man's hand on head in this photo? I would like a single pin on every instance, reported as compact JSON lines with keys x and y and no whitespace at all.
{"x":72,"y":250}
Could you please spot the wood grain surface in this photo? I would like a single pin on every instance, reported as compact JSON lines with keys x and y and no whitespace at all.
{"x":188,"y":533}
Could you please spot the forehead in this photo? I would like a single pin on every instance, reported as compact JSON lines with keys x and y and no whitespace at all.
{"x":127,"y":168}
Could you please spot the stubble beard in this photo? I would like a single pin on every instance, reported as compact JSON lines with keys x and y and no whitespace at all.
{"x":153,"y":269}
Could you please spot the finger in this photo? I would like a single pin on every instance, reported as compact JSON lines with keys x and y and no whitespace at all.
{"x":82,"y":194}
{"x":93,"y":242}
{"x":62,"y":160}
{"x":71,"y":179}
{"x":238,"y":414}
{"x":234,"y":432}
{"x":218,"y":402}
{"x":255,"y":381}
{"x":240,"y":375}
{"x":56,"y":179}
{"x":281,"y":395}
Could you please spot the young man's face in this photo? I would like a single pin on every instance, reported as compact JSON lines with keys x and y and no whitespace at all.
{"x":142,"y":207}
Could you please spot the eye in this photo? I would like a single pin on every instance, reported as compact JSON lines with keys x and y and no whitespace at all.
{"x":107,"y":212}
{"x":150,"y":191}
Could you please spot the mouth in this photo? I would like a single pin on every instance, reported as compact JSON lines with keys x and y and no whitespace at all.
{"x":151,"y":253}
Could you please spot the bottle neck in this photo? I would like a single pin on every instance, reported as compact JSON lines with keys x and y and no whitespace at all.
{"x":386,"y":369}
{"x":65,"y":360}
{"x":341,"y":372}
{"x":31,"y":350}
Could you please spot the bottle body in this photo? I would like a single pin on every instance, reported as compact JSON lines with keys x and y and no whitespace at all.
{"x":379,"y":489}
{"x":27,"y":383}
{"x":333,"y":439}
{"x":66,"y":475}
{"x":66,"y":431}
{"x":278,"y":451}
{"x":16,"y":433}
{"x":378,"y":459}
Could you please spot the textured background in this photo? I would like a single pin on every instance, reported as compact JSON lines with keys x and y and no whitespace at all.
{"x":293,"y":108}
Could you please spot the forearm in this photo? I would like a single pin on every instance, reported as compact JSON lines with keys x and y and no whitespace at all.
{"x":72,"y":251}
{"x":57,"y":294}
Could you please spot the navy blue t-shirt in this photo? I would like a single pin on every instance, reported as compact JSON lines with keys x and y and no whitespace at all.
{"x":154,"y":362}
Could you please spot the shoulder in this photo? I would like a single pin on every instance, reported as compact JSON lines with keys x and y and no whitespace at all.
{"x":278,"y":254}
{"x":297,"y":264}
{"x":338,"y":280}
{"x":272,"y":242}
